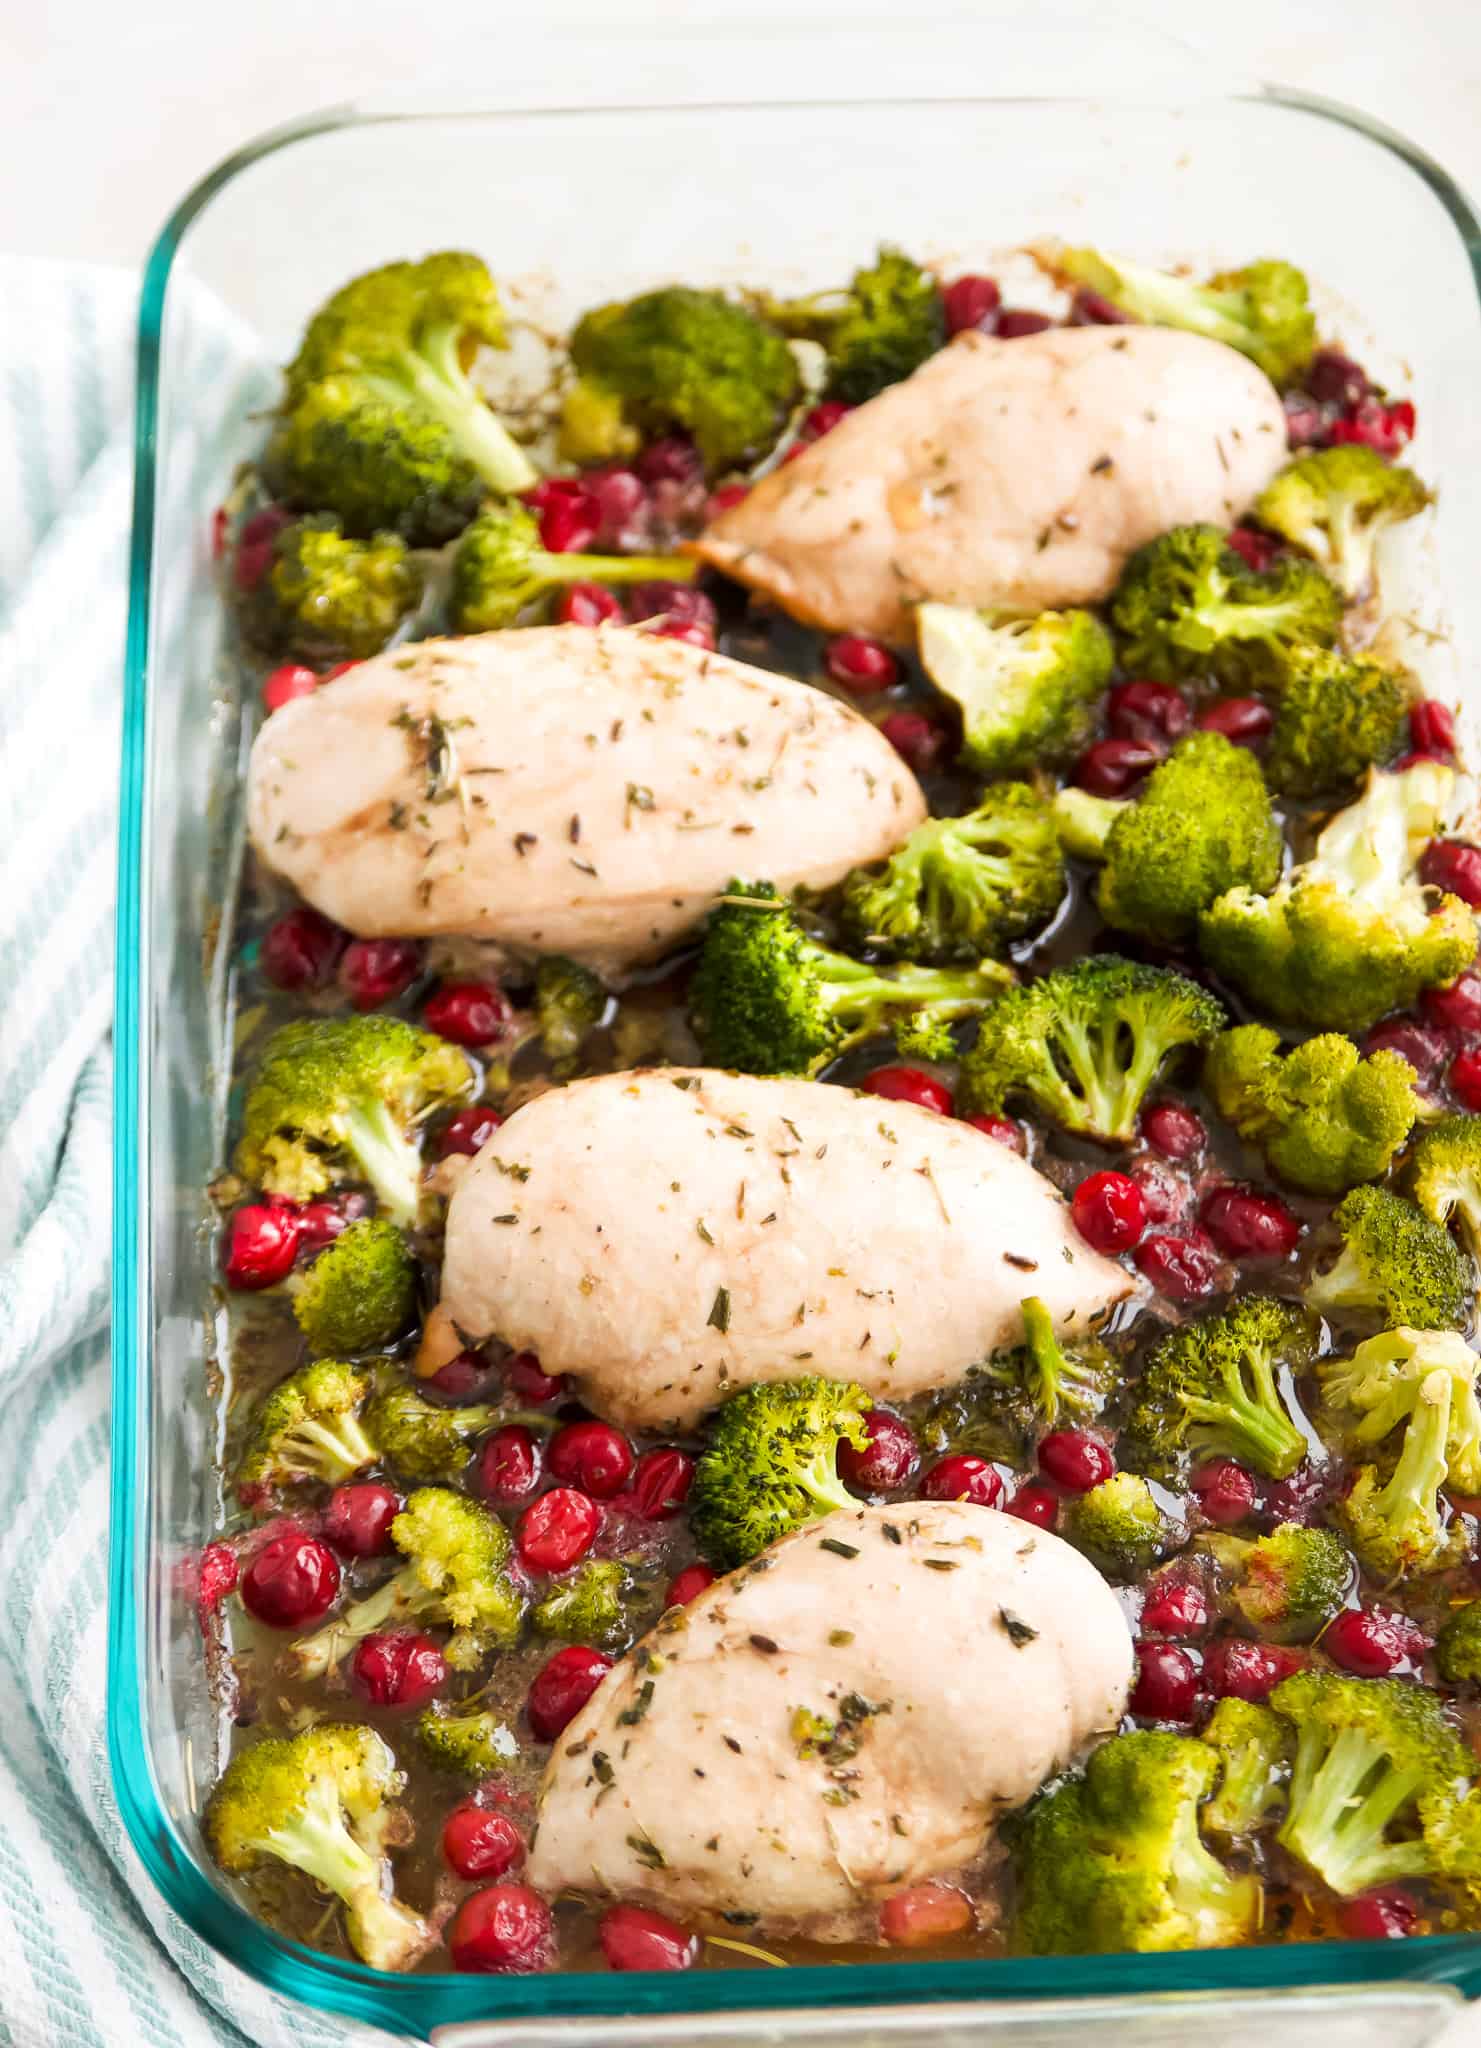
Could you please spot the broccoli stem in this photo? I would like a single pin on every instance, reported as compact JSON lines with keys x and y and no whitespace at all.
{"x":856,"y":991}
{"x":401,"y":1596}
{"x":1253,"y":1424}
{"x":1110,"y":1092}
{"x":1048,"y":1360}
{"x":442,"y":385}
{"x":389,"y":1159}
{"x":317,"y":1842}
{"x":331,"y":1454}
{"x":1421,"y":1469}
{"x":387,"y":1934}
{"x":1335,"y":1826}
{"x":616,"y":568}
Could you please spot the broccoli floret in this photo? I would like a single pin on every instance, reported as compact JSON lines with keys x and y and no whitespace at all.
{"x":589,"y":1605}
{"x":1118,"y":1525}
{"x":319,"y":1802}
{"x":500,"y":569}
{"x":343,"y":1098}
{"x":1213,"y":1386}
{"x":680,"y":358}
{"x":1371,"y":1756}
{"x":570,"y":1003}
{"x":771,"y":1465}
{"x":1113,"y":1860}
{"x":1458,"y":1646}
{"x":466,"y":1738}
{"x":962,"y":887}
{"x":1395,"y":1261}
{"x":309,"y":1427}
{"x":1077,"y":1380}
{"x":1085,"y":1043}
{"x":1262,"y":309}
{"x":1084,"y":822}
{"x":879,"y":330}
{"x":1025,"y":688}
{"x":1444,"y":1176}
{"x":456,"y":1574}
{"x":361,"y":1291}
{"x":1188,"y":605}
{"x":1011,"y":1401}
{"x":1325,"y":1117}
{"x":766,"y":999}
{"x":1350,"y":934}
{"x":1254,"y":1750}
{"x":424,"y":1440}
{"x":1336,"y":503}
{"x":1336,"y":716}
{"x":381,"y":423}
{"x":1287,"y":1584}
{"x":329,"y":598}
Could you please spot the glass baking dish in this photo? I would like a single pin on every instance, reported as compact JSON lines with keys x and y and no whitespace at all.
{"x":922,"y":140}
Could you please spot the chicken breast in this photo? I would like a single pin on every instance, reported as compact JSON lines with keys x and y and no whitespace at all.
{"x":960,"y":1656}
{"x":1016,"y":473}
{"x":565,"y":790}
{"x":667,"y":1237}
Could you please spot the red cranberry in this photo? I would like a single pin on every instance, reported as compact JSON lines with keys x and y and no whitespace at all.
{"x":558,"y":1529}
{"x":358,"y":1519}
{"x":561,"y":1688}
{"x":918,"y":740}
{"x":218,"y":1577}
{"x":824,"y":417}
{"x":1256,"y":549}
{"x":1387,"y":429}
{"x":862,"y":665}
{"x":320,"y":1223}
{"x":1385,"y":1915}
{"x":255,"y":546}
{"x":1154,"y":712}
{"x":1245,"y":1224}
{"x":1176,"y":1132}
{"x":508,"y":1465}
{"x":1452,"y":865}
{"x":632,"y":1938}
{"x":301,"y":950}
{"x":888,"y":1459}
{"x":398,"y":1669}
{"x":292,"y":1581}
{"x":1465,"y":1079}
{"x":1074,"y":1460}
{"x":468,"y":1132}
{"x":1109,"y":1211}
{"x":671,"y":460}
{"x":376,"y":971}
{"x":337,"y":669}
{"x":1335,"y":379}
{"x":524,"y":1379}
{"x":924,"y":1913}
{"x":1036,"y":1504}
{"x":469,"y":1012}
{"x":1094,"y":309}
{"x":1181,"y":1268}
{"x":1112,"y":767}
{"x":462,"y":1380}
{"x":1301,"y":1497}
{"x":1166,"y":1683}
{"x":726,"y":499}
{"x":477,"y":1843}
{"x":262,"y":1242}
{"x":621,"y":496}
{"x":690,"y":631}
{"x":570,"y":523}
{"x":1015,"y":321}
{"x":587,"y":604}
{"x":1456,"y":1009}
{"x":1423,"y":1047}
{"x":1432,"y":729}
{"x":909,"y":1084}
{"x":1225,"y":1491}
{"x":963,"y":1477}
{"x":1367,"y":1644}
{"x":688,"y":1584}
{"x":661,"y":1483}
{"x":281,"y":685}
{"x":1236,"y":1670}
{"x":505,"y":1930}
{"x":1165,"y":1193}
{"x":1001,"y":1129}
{"x":1175,"y":1610}
{"x":971,"y":301}
{"x":592,"y":1456}
{"x":1305,"y":422}
{"x":1244,"y":720}
{"x":681,"y":603}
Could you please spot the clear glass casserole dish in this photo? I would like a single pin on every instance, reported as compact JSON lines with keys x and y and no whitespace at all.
{"x":573,"y":204}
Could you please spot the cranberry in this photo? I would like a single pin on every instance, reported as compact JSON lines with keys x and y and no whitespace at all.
{"x":1165,"y":1194}
{"x":1452,"y":865}
{"x":255,"y":546}
{"x":887,"y":1460}
{"x":909,"y":1084}
{"x":523,"y":1378}
{"x":1256,"y":549}
{"x":1422,"y":1046}
{"x":963,"y":1477}
{"x":561,"y":1688}
{"x":1465,"y":1079}
{"x":1236,"y":1670}
{"x":1153,"y":712}
{"x":1036,"y":1504}
{"x":587,"y":604}
{"x":924,"y":1913}
{"x":688,"y":1584}
{"x":468,"y":1132}
{"x":358,"y":1519}
{"x":262,"y":1242}
{"x":1182,"y":1268}
{"x":862,"y":665}
{"x":1387,"y":429}
{"x":1176,"y":1132}
{"x":633,"y":1938}
{"x":1166,"y":1683}
{"x":218,"y":1577}
{"x":508,"y":1465}
{"x":1094,"y":309}
{"x":558,"y":1529}
{"x":1109,"y":1211}
{"x":505,"y":1930}
{"x":1175,"y":1610}
{"x":461,"y":1380}
{"x":1244,"y":720}
{"x":376,"y":971}
{"x":1074,"y":1460}
{"x":570,"y":523}
{"x":320,"y":1223}
{"x":292,"y":1581}
{"x":1001,"y":1129}
{"x":824,"y":417}
{"x":469,"y":1012}
{"x":1301,"y":1497}
{"x":1225,"y":1491}
{"x":1305,"y":423}
{"x":592,"y":1456}
{"x":971,"y":301}
{"x":1335,"y":379}
{"x":337,"y":669}
{"x":680,"y":603}
{"x":477,"y":1843}
{"x":726,"y":499}
{"x":281,"y":685}
{"x":690,"y":631}
{"x":671,"y":460}
{"x":1015,"y":321}
{"x":399,"y":1669}
{"x":301,"y":950}
{"x":621,"y":496}
{"x":918,"y":740}
{"x":1388,"y":1914}
{"x":1368,"y":1644}
{"x":1432,"y":729}
{"x":1245,"y":1224}
{"x":1112,"y":767}
{"x":661,"y":1483}
{"x":1456,"y":1009}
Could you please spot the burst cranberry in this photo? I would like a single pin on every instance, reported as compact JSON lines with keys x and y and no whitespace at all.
{"x":690,"y":631}
{"x":1176,"y":1132}
{"x":680,"y":603}
{"x":255,"y":546}
{"x":672,"y":460}
{"x":1465,"y":1079}
{"x":887,"y":1460}
{"x":1255,"y":548}
{"x":924,"y":1913}
{"x":1175,"y":1611}
{"x":1245,"y":1224}
{"x":508,"y":1465}
{"x":1305,"y":422}
{"x":1335,"y":379}
{"x":588,"y":604}
{"x":1094,"y":309}
{"x":1074,"y":1460}
{"x":1367,"y":1644}
{"x":570,"y":523}
{"x":320,"y":1223}
{"x":1387,"y":429}
{"x":1181,"y":1268}
{"x":909,"y":1084}
{"x":524,"y":1379}
{"x":963,"y":1477}
{"x":469,"y":1012}
{"x":1432,"y":729}
{"x":971,"y":301}
{"x":561,"y":1688}
{"x":358,"y":1519}
{"x":1166,"y":1683}
{"x":468,"y":1132}
{"x":918,"y":740}
{"x":281,"y":685}
{"x":292,"y":1581}
{"x":1225,"y":1491}
{"x":1456,"y":1009}
{"x":1165,"y":1193}
{"x":862,"y":665}
{"x":1015,"y":321}
{"x":301,"y":950}
{"x":1109,"y":1211}
{"x":262,"y":1241}
{"x":218,"y":1577}
{"x":376,"y":971}
{"x":505,"y":1930}
{"x":462,"y":1380}
{"x":1385,"y":1915}
{"x":1112,"y":767}
{"x":1452,"y":865}
{"x":1301,"y":1497}
{"x":1148,"y":711}
{"x":477,"y":1843}
{"x":688,"y":1584}
{"x":1244,"y":720}
{"x":1035,"y":1504}
{"x":558,"y":1529}
{"x":1237,"y":1670}
{"x":592,"y":1456}
{"x":1001,"y":1129}
{"x":633,"y":1938}
{"x":399,"y":1669}
{"x":620,"y":496}
{"x":1423,"y":1047}
{"x":824,"y":417}
{"x":726,"y":499}
{"x":661,"y":1482}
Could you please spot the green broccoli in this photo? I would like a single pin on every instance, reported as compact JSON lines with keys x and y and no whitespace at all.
{"x":770,"y":1465}
{"x":1254,"y":1750}
{"x":1113,"y":1859}
{"x":588,"y":1605}
{"x":1118,"y":1525}
{"x":890,"y":319}
{"x":456,"y":1574}
{"x":319,"y":1802}
{"x":329,"y":598}
{"x":424,"y":1440}
{"x":342,"y":1098}
{"x":360,"y":1292}
{"x":570,"y":1003}
{"x":1350,"y":934}
{"x":467,"y":1738}
{"x":309,"y":1427}
{"x":1026,"y":688}
{"x":1000,"y":1408}
{"x":1458,"y":1646}
{"x":1395,"y":1524}
{"x":679,"y":358}
{"x":1262,"y":310}
{"x":962,"y":887}
{"x":766,"y":999}
{"x":382,"y":423}
{"x":1213,"y":1387}
{"x":1325,"y":1117}
{"x":1444,"y":1176}
{"x":1188,"y":605}
{"x":1289,"y":1584}
{"x":1086,"y":1042}
{"x":1336,"y":503}
{"x":500,"y":569}
{"x":1395,"y":1261}
{"x":1084,"y":822}
{"x":1336,"y":716}
{"x":1078,"y":1380}
{"x":1372,"y":1757}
